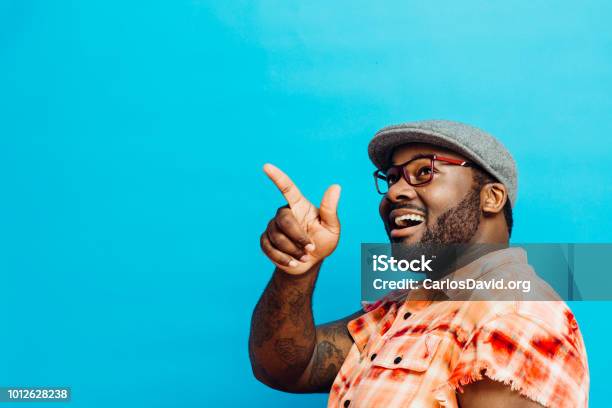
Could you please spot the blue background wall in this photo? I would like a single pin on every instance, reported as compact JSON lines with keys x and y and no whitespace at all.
{"x":132,"y":136}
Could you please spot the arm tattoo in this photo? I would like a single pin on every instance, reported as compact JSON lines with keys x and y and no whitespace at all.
{"x":335,"y":331}
{"x":290,"y":352}
{"x":299,"y":311}
{"x":268,"y":316}
{"x":286,"y":349}
{"x":327,"y":361}
{"x":297,"y":304}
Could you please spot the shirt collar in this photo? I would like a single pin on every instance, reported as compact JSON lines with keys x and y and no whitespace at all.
{"x":415,"y":300}
{"x":482,"y":266}
{"x":477,"y":269}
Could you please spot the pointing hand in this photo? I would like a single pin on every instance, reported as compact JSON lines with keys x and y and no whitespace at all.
{"x":300,"y":234}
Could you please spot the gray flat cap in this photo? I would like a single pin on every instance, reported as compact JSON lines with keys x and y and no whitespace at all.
{"x":469,"y":141}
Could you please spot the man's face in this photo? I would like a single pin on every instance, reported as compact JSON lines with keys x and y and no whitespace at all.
{"x":449,"y":204}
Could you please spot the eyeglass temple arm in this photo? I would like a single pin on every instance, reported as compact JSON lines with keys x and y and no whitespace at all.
{"x":452,"y":161}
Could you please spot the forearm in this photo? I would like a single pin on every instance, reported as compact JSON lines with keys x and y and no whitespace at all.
{"x":332,"y":346}
{"x":282,"y":338}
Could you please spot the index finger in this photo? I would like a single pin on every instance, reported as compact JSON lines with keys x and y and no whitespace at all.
{"x":285,"y":185}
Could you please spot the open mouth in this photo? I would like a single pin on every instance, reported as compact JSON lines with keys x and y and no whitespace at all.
{"x":408,"y":220}
{"x":404,"y":222}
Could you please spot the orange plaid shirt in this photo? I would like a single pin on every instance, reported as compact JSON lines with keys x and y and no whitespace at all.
{"x":416,"y":351}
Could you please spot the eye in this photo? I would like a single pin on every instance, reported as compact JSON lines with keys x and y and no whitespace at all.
{"x":392,"y":179}
{"x":392,"y":176}
{"x":423,"y":171}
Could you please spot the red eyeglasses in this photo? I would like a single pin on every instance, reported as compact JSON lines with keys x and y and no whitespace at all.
{"x":417,"y":171}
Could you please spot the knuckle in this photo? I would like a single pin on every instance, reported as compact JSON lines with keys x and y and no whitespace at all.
{"x":285,"y":221}
{"x":263,"y":240}
{"x":271,"y":224}
{"x":265,"y":246}
{"x":281,"y":210}
{"x":274,"y":239}
{"x":286,"y":188}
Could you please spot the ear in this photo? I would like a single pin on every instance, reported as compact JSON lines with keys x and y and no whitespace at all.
{"x":493,"y":197}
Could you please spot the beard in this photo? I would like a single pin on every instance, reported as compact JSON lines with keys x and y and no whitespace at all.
{"x":458,"y":224}
{"x":446,"y":240}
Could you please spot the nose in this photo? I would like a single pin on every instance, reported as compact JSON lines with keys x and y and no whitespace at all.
{"x":401,"y":191}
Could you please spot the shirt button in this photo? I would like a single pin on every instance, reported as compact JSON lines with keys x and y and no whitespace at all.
{"x":373,"y":357}
{"x":407,"y":315}
{"x":347,"y":403}
{"x":397,"y":360}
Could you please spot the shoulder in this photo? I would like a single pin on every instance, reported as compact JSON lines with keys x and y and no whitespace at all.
{"x":396,"y":296}
{"x":535,"y":347}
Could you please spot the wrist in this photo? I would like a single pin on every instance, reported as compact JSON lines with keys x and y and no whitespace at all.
{"x":310,"y":274}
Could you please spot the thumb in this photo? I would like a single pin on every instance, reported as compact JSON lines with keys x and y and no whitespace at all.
{"x":329,"y":209}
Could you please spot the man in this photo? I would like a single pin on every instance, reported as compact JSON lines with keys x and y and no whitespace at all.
{"x":442,"y":183}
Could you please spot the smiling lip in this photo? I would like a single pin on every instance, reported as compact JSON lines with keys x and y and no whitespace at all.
{"x":398,"y":231}
{"x":405,"y":231}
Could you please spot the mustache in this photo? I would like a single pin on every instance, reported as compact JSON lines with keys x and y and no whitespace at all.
{"x":408,"y":206}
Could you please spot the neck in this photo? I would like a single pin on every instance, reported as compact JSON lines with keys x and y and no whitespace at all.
{"x":456,"y":256}
{"x":491,"y":230}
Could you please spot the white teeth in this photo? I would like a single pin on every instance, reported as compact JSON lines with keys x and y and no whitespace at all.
{"x":408,"y":217}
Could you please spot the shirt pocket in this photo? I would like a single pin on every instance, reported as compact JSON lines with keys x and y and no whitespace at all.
{"x":414,"y":353}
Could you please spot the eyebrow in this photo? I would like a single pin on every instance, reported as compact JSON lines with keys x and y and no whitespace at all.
{"x":416,"y":156}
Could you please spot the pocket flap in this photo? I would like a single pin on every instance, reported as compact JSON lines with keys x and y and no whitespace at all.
{"x":407,"y":352}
